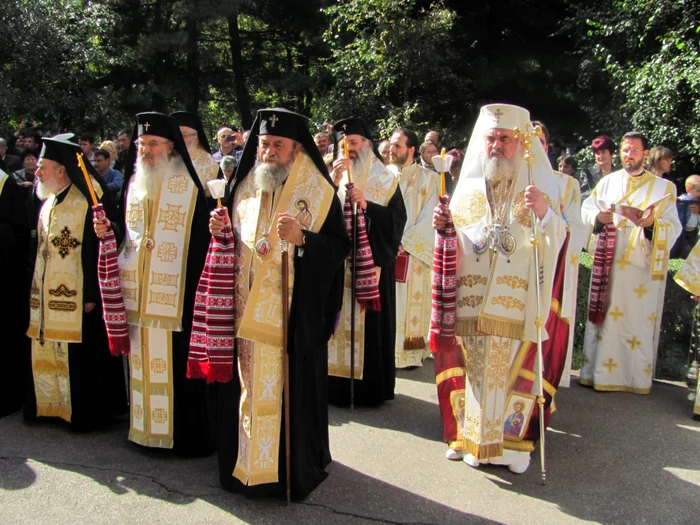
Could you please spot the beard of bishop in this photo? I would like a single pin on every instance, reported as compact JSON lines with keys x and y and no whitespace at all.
{"x":500,"y":169}
{"x":269,"y":176}
{"x":148,"y":178}
{"x":362,"y":154}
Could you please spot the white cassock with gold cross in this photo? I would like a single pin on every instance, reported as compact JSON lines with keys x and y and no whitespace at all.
{"x":579,"y":233}
{"x":419,"y":187}
{"x":619,"y":353}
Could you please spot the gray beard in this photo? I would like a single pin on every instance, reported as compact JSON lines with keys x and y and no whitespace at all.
{"x":268,"y":177}
{"x":148,"y":178}
{"x":499,"y":169}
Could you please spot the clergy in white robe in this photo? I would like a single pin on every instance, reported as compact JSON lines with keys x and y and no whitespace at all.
{"x":570,"y":191}
{"x":496,"y":290}
{"x":619,"y":350}
{"x":419,"y":187}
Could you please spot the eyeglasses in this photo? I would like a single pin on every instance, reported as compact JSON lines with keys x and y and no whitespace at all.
{"x":151,"y":144}
{"x":189,"y":134}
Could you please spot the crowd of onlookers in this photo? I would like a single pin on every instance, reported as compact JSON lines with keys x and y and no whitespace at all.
{"x":19,"y":156}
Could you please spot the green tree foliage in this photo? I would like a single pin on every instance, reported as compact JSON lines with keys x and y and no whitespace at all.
{"x":392,"y":63}
{"x":640,"y":66}
{"x":52,"y":63}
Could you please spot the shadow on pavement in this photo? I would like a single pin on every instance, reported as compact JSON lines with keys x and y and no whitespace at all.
{"x":110,"y":460}
{"x":404,"y":414}
{"x":618,"y":458}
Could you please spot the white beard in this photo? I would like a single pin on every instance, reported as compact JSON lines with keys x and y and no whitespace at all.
{"x":498,"y":169}
{"x":148,"y":178}
{"x":45,"y":190}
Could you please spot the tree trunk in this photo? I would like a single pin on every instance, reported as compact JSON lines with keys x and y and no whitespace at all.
{"x":194,"y":71}
{"x":242,"y":95}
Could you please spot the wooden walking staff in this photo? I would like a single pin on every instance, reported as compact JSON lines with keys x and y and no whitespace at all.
{"x":285,"y":355}
{"x":527,"y":140}
{"x":353,"y":285}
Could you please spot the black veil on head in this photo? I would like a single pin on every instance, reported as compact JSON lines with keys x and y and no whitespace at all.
{"x":65,"y":149}
{"x":161,"y":125}
{"x":353,"y":126}
{"x":192,"y":120}
{"x":282,"y":123}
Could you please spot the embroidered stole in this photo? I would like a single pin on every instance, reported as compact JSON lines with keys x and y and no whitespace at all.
{"x":56,"y":303}
{"x":153,"y":262}
{"x":641,"y":191}
{"x":378,"y":185}
{"x":206,"y":167}
{"x":3,"y":177}
{"x":307,"y":196}
{"x":493,"y":292}
{"x":152,"y":268}
{"x":418,"y":186}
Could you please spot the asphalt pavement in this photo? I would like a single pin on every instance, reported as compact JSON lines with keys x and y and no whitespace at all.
{"x":612,"y":458}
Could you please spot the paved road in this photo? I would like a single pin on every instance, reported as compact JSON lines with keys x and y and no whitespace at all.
{"x":612,"y":458}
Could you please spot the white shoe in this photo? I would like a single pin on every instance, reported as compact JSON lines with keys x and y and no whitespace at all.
{"x":454,"y":455}
{"x":515,"y":460}
{"x":471,"y":460}
{"x":519,"y":467}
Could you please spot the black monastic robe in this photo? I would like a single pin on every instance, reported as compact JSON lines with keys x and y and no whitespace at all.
{"x":194,"y":414}
{"x":385,"y":226}
{"x":14,"y":289}
{"x":97,"y":383}
{"x":316,"y":301}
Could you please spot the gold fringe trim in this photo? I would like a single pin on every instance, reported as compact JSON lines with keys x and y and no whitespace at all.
{"x":63,"y":336}
{"x":171,"y":325}
{"x":466,"y":326}
{"x":521,"y":446}
{"x":449,"y":374}
{"x":53,"y":411}
{"x":259,"y":479}
{"x":585,"y":382}
{"x":33,"y":332}
{"x":482,"y":451}
{"x":344,"y":371}
{"x":414,"y":343}
{"x":455,"y":445}
{"x":240,"y":474}
{"x":509,"y":329}
{"x":261,"y":336}
{"x":148,"y":441}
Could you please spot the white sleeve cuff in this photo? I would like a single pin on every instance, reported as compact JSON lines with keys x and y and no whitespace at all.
{"x":547,"y":217}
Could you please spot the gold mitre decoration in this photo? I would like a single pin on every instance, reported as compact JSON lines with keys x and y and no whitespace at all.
{"x":503,"y":116}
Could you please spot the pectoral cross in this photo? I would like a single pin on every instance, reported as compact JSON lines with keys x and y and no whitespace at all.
{"x":273,"y":119}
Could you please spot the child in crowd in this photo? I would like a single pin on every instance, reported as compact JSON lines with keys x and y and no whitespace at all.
{"x":689,"y":215}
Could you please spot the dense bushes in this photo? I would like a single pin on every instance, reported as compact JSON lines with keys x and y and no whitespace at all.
{"x":675,"y":323}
